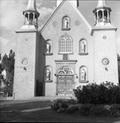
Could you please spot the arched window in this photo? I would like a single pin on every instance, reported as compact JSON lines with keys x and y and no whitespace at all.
{"x":83,"y":47}
{"x":48,"y":73}
{"x":83,"y":74}
{"x":66,"y":23}
{"x":105,"y":15}
{"x":48,"y":47}
{"x":100,"y":15}
{"x":65,"y":44}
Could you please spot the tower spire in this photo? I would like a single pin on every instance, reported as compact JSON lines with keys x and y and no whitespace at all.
{"x":31,"y":14}
{"x":31,"y":5}
{"x":102,"y":13}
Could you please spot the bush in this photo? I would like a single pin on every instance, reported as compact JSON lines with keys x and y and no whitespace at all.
{"x":115,"y":110}
{"x":105,"y":93}
{"x":61,"y":105}
{"x":85,"y":109}
{"x":99,"y":110}
{"x":72,"y":108}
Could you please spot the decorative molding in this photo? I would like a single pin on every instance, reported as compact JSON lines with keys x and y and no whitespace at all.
{"x":104,"y":28}
{"x":48,"y":81}
{"x":66,"y":29}
{"x":105,"y":61}
{"x":68,"y":61}
{"x":48,"y":54}
{"x":84,"y":81}
{"x":24,"y":61}
{"x":104,"y":37}
{"x":83,"y":54}
{"x":77,"y":23}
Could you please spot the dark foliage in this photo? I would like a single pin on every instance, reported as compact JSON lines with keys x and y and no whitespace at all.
{"x":100,"y":110}
{"x":64,"y":105}
{"x":105,"y":93}
{"x":7,"y":64}
{"x":85,"y":109}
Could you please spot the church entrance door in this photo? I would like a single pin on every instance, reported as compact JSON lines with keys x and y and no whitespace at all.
{"x":65,"y":82}
{"x":65,"y":85}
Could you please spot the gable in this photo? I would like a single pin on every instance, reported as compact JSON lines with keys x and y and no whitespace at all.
{"x":65,"y":8}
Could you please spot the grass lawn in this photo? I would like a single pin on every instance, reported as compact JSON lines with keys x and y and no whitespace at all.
{"x":52,"y":116}
{"x":12,"y":113}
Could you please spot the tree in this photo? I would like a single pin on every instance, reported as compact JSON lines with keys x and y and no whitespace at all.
{"x":118,"y":57}
{"x":7,"y":65}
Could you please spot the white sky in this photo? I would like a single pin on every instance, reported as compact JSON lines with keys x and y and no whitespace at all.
{"x":11,"y":17}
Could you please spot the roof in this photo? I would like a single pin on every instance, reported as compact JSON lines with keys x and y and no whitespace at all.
{"x":55,"y":11}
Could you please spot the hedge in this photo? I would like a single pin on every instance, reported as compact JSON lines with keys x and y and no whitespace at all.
{"x":105,"y":93}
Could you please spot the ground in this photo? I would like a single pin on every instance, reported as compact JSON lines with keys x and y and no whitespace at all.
{"x":40,"y":111}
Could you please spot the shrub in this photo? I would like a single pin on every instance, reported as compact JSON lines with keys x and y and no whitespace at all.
{"x":115,"y":110}
{"x":61,"y":105}
{"x":105,"y":93}
{"x":72,"y":108}
{"x":99,"y":110}
{"x":85,"y":109}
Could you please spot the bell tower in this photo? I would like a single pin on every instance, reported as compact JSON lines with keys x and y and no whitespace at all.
{"x":102,"y":13}
{"x":105,"y":60}
{"x":31,"y":14}
{"x":25,"y":59}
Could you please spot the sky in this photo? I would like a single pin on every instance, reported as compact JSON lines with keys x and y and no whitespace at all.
{"x":11,"y":18}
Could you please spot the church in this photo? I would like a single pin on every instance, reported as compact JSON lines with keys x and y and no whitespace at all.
{"x":67,"y":52}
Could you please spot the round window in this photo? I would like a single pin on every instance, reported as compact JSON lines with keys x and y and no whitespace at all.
{"x":24,"y":61}
{"x":105,"y":61}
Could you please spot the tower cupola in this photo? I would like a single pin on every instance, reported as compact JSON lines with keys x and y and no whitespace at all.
{"x":102,"y":13}
{"x":31,"y":14}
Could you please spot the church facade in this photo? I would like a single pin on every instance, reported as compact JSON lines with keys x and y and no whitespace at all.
{"x":65,"y":53}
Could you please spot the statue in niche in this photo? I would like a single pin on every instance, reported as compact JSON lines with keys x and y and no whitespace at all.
{"x":48,"y":48}
{"x":83,"y":47}
{"x":83,"y":74}
{"x":66,"y":23}
{"x":48,"y":74}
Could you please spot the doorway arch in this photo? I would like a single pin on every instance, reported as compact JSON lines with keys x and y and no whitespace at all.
{"x":65,"y":81}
